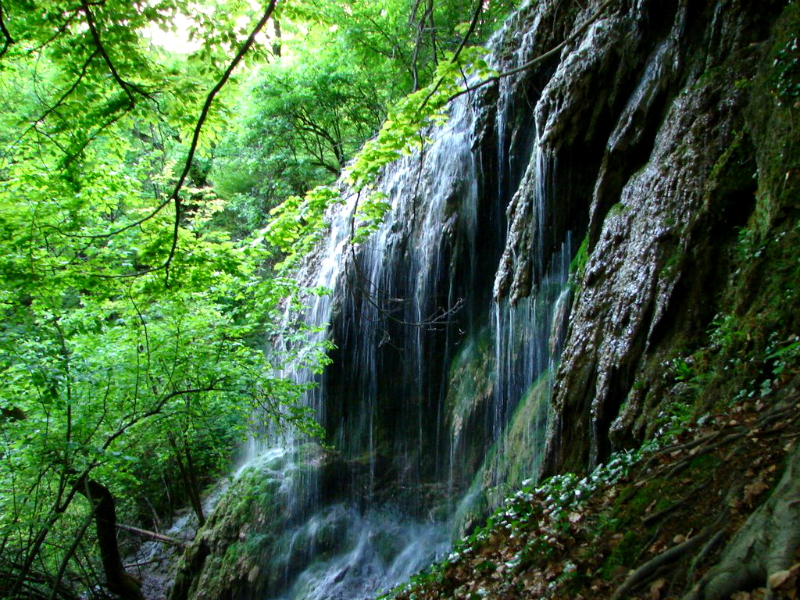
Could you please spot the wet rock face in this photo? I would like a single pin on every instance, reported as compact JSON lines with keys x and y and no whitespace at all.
{"x":621,"y":137}
{"x":659,"y":212}
{"x":633,"y":271}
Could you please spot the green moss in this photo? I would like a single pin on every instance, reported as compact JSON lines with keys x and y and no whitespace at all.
{"x":663,"y":504}
{"x":474,"y":508}
{"x":618,"y":209}
{"x":785,"y":58}
{"x":578,"y":265}
{"x":731,"y":154}
{"x":670,"y":267}
{"x":643,"y":498}
{"x":515,"y":458}
{"x":633,"y":502}
{"x":758,"y":307}
{"x":520,"y":451}
{"x":624,"y":554}
{"x":470,"y":379}
{"x":703,"y":464}
{"x":240,"y":534}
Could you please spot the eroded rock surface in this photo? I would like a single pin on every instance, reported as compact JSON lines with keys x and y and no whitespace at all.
{"x":646,"y":101}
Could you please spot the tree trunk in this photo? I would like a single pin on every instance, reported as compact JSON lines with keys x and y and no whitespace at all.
{"x":277,"y":44}
{"x":197,"y":500}
{"x":189,"y":481}
{"x":118,"y":580}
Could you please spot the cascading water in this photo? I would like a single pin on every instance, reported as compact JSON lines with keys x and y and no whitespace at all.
{"x":439,"y":385}
{"x":397,"y":296}
{"x":449,"y":322}
{"x":378,"y":307}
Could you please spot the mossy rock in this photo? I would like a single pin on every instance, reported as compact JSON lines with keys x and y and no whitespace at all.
{"x":471,"y":380}
{"x":228,"y":553}
{"x":515,"y":458}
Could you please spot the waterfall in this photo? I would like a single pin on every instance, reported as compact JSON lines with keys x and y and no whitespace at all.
{"x":438,"y":395}
{"x":399,"y":315}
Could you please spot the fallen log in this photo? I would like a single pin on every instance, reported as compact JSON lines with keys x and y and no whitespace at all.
{"x":151,"y":535}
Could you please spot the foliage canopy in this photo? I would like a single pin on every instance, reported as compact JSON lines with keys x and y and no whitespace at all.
{"x":138,"y":296}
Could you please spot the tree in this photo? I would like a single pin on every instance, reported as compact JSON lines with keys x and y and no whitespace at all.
{"x":320,"y":109}
{"x":342,"y":66}
{"x":132,"y":328}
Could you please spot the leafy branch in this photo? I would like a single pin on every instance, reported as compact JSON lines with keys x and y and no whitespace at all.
{"x":199,"y":127}
{"x":126,"y":86}
{"x":402,"y":130}
{"x":174,"y":197}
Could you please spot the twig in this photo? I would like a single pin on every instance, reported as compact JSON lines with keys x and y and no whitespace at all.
{"x":677,"y":552}
{"x":72,"y":549}
{"x":60,"y":31}
{"x":473,"y":24}
{"x":682,"y":464}
{"x":58,"y":102}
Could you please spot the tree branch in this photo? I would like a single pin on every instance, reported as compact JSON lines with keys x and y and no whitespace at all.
{"x":536,"y":61}
{"x":151,"y":535}
{"x":127,"y":87}
{"x":61,"y":99}
{"x":678,"y":552}
{"x":473,"y":24}
{"x":174,"y":197}
{"x":60,"y":31}
{"x":6,"y":34}
{"x":62,"y":569}
{"x":199,"y":127}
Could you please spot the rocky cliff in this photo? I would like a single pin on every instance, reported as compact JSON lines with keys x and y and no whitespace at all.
{"x":589,"y":255}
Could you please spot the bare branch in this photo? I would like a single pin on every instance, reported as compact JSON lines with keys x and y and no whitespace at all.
{"x":151,"y":535}
{"x":108,"y":234}
{"x":536,"y":61}
{"x":6,"y":34}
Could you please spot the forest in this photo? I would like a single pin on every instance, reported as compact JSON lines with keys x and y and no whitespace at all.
{"x":139,"y":289}
{"x":297,"y":294}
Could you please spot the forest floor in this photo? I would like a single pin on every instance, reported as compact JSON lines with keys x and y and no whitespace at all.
{"x":651,"y":524}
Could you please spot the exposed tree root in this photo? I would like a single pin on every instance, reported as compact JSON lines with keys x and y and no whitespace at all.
{"x":703,"y":554}
{"x":704,"y":445}
{"x":679,"y":447}
{"x":764,"y":545}
{"x":649,"y":543}
{"x":676,"y":553}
